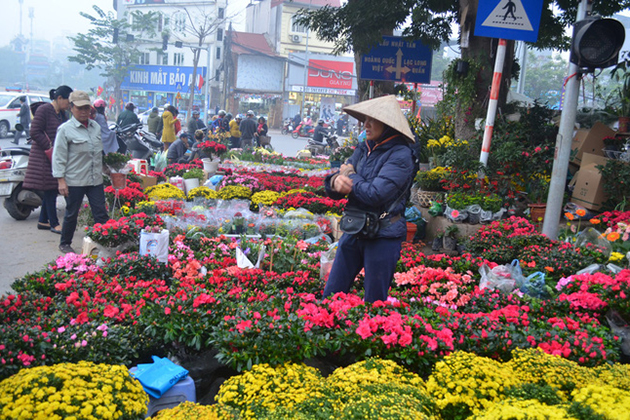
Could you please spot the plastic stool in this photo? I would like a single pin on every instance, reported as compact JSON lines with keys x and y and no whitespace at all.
{"x":184,"y":390}
{"x":140,"y":166}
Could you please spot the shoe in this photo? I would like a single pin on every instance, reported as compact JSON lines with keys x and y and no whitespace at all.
{"x":43,"y":226}
{"x":66,"y":249}
{"x":55,"y":230}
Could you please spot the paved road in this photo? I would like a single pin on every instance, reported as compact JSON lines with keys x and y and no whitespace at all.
{"x":25,"y":249}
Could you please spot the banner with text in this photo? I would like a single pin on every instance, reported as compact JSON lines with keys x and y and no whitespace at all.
{"x":330,"y":74}
{"x":162,"y":78}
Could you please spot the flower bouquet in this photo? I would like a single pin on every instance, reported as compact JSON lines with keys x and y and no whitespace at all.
{"x":117,"y":162}
{"x":340,"y":154}
{"x":212,"y":149}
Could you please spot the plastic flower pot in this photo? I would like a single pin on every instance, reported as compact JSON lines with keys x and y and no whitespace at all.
{"x":119,"y":180}
{"x":411,"y":231}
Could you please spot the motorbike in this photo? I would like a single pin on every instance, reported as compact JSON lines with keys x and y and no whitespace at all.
{"x":140,"y":143}
{"x":287,"y":127}
{"x":300,"y":131}
{"x":325,"y":148}
{"x":18,"y":201}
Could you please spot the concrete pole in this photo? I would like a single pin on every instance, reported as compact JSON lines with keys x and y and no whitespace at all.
{"x":494,"y":102}
{"x":208,"y":78}
{"x":522,"y":59}
{"x":563,"y":144}
{"x":302,"y":108}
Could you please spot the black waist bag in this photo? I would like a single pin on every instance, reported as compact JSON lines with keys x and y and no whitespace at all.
{"x":354,"y":221}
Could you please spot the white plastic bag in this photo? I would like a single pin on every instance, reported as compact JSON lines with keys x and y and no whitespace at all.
{"x":326,"y":260}
{"x":501,"y":277}
{"x":455,"y":216}
{"x":155,"y":244}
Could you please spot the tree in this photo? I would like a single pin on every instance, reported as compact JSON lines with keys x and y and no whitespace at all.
{"x":359,"y":24}
{"x":544,"y":77}
{"x":97,"y":48}
{"x":202,"y":23}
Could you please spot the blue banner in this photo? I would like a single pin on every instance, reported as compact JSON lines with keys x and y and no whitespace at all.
{"x":162,"y":78}
{"x":398,"y":60}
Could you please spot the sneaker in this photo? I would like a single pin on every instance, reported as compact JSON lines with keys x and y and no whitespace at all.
{"x":66,"y":249}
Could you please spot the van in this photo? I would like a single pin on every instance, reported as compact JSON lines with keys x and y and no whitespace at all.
{"x":10,"y":109}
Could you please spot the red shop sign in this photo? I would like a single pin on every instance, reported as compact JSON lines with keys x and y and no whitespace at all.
{"x":330,"y":74}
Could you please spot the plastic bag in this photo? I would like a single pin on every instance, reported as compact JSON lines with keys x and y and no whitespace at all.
{"x":326,"y":260}
{"x":155,"y":244}
{"x":485,"y":216}
{"x":455,"y":216}
{"x":160,"y":376}
{"x":533,"y":285}
{"x":413,"y":215}
{"x":435,"y":209}
{"x":592,"y":237}
{"x":501,"y":277}
{"x":159,"y":161}
{"x":620,"y":328}
{"x":474,"y":214}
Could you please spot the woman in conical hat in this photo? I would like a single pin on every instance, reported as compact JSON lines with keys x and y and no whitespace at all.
{"x":376,"y":179}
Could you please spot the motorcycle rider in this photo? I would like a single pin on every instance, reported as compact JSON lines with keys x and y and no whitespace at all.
{"x":320,"y":132}
{"x":216,"y":124}
{"x":128,"y":116}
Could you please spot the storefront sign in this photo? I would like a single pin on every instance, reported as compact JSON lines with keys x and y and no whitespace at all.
{"x":330,"y":74}
{"x":325,"y":91}
{"x":161,"y":78}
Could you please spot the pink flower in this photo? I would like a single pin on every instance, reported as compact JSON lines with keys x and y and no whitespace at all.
{"x":61,"y":329}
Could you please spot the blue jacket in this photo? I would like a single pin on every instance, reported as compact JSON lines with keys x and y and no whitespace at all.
{"x":381,"y":178}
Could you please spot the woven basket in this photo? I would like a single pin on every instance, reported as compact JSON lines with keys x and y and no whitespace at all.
{"x":424,"y":198}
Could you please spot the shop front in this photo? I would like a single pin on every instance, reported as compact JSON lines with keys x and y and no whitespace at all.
{"x":148,"y":86}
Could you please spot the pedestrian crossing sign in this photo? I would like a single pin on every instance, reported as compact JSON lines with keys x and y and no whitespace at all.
{"x":509,"y":19}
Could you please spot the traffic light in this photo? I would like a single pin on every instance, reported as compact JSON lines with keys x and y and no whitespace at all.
{"x":596,"y":43}
{"x":115,"y":37}
{"x":164,"y":42}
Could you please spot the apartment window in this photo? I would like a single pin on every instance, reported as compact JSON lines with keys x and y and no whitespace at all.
{"x":217,"y":74}
{"x":144,"y":58}
{"x":296,"y":27}
{"x":221,"y":13}
{"x":219,"y":34}
{"x":178,"y":22}
{"x":178,"y":59}
{"x":162,"y":58}
{"x":218,"y":53}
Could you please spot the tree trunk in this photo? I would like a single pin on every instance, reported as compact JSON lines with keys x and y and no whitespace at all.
{"x":193,"y":83}
{"x":483,"y":51}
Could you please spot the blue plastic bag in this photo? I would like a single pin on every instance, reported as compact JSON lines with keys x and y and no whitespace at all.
{"x":160,"y":376}
{"x":533,"y":285}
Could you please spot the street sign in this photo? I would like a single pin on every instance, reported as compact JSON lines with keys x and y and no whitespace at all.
{"x":509,"y":19}
{"x":395,"y":59}
{"x":179,"y":96}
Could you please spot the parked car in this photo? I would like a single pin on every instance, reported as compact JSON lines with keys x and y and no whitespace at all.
{"x":144,"y":116}
{"x":10,"y":108}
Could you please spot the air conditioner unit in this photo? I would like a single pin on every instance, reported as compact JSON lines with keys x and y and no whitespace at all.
{"x":296,"y":38}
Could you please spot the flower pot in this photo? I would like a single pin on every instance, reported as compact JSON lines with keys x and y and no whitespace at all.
{"x":190,"y":184}
{"x":537,"y":212}
{"x":610,"y":151}
{"x":436,"y":245}
{"x":119,"y":180}
{"x":412,"y":228}
{"x":210,"y":166}
{"x":624,"y":125}
{"x":450,"y":244}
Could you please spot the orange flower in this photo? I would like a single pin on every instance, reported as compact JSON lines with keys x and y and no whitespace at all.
{"x":550,"y":269}
{"x":595,"y":221}
{"x":569,"y":216}
{"x":613,"y":236}
{"x":581,"y":212}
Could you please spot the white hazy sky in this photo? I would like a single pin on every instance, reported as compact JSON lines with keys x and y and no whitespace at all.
{"x":54,"y":18}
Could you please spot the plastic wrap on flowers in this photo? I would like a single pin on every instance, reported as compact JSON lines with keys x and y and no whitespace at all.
{"x":591,"y":238}
{"x":474,"y":213}
{"x":455,"y":216}
{"x":326,"y":260}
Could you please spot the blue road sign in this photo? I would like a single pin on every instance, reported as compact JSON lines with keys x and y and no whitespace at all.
{"x":395,"y":59}
{"x":509,"y":19}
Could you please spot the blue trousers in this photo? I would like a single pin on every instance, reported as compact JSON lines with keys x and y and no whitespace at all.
{"x":48,"y":213}
{"x":96,"y":198}
{"x":377,"y":256}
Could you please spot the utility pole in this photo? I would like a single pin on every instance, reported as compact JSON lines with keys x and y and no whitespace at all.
{"x":302,"y":108}
{"x":21,"y":3}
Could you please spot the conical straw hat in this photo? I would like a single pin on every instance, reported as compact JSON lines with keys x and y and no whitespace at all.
{"x":384,"y":109}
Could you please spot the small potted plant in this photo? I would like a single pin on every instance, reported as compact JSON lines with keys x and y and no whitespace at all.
{"x":621,"y":95}
{"x":450,"y":238}
{"x":339,"y":155}
{"x":116,"y":164}
{"x":192,"y":178}
{"x":212,"y":149}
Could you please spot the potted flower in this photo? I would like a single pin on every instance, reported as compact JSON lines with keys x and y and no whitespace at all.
{"x":450,"y":238}
{"x":430,"y":184}
{"x":212,"y":149}
{"x":339,"y":155}
{"x":192,"y":178}
{"x":621,"y":94}
{"x":116,"y":163}
{"x":537,"y":191}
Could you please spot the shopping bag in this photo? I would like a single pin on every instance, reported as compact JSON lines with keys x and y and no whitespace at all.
{"x":155,"y":244}
{"x":160,"y":376}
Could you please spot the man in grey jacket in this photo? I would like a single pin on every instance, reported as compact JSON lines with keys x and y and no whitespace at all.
{"x":77,"y":163}
{"x":25,"y":120}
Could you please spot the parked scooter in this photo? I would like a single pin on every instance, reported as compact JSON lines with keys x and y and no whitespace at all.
{"x":287,"y":127}
{"x":325,"y":148}
{"x":18,"y":201}
{"x":140,"y":143}
{"x":300,"y":131}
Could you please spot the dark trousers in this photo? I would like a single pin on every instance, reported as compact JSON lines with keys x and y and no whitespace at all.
{"x":96,"y":197}
{"x":377,"y":256}
{"x":235,"y":142}
{"x":18,"y":134}
{"x":48,"y":213}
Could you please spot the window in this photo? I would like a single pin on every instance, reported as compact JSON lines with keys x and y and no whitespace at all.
{"x":144,"y":58}
{"x":219,"y":34}
{"x":218,"y":53}
{"x":221,"y":13}
{"x":178,"y":22}
{"x":178,"y":59}
{"x":16,"y":104}
{"x":296,"y":27}
{"x":217,"y":75}
{"x":162,"y":58}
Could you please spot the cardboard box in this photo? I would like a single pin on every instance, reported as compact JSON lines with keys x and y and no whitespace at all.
{"x":590,"y":141}
{"x":589,"y":186}
{"x":148,"y":181}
